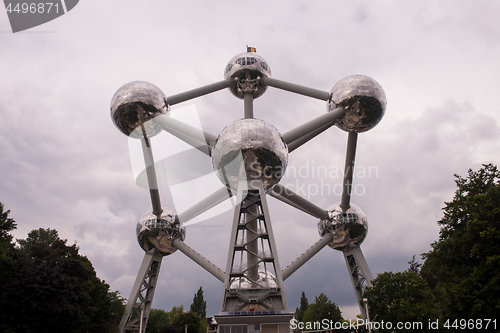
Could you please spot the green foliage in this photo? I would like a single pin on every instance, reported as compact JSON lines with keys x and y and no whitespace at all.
{"x":199,"y":305}
{"x":414,"y":265}
{"x":47,"y":286}
{"x":7,"y":225}
{"x":158,"y":319}
{"x":463,"y":266}
{"x":304,"y":304}
{"x":322,"y":308}
{"x":399,"y":297}
{"x":175,"y":313}
{"x":193,"y":321}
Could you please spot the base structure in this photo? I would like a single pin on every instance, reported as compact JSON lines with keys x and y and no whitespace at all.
{"x":359,"y":273}
{"x":254,"y":322}
{"x":254,"y":296}
{"x":138,"y":307}
{"x":253,"y":280}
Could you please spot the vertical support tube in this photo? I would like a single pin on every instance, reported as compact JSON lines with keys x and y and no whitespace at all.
{"x":253,"y":247}
{"x":151,"y":174}
{"x":248,"y":105}
{"x":345,"y":202}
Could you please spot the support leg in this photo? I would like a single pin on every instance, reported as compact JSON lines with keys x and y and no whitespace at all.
{"x":138,"y":307}
{"x":359,"y":273}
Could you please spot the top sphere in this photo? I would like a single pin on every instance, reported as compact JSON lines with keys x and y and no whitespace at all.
{"x":349,"y":228}
{"x":363,"y":99}
{"x":135,"y":104}
{"x":247,"y":69}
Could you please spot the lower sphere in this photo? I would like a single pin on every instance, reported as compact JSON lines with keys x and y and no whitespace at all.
{"x":347,"y":228}
{"x":159,"y":233}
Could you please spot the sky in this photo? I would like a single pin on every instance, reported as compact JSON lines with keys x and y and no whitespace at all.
{"x":65,"y":166}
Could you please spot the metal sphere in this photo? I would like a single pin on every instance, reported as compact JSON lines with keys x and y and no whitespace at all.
{"x":266,"y":280}
{"x":249,"y":150}
{"x":158,"y":234}
{"x":248,"y":69}
{"x":363,"y":99}
{"x":135,"y":104}
{"x":349,"y":228}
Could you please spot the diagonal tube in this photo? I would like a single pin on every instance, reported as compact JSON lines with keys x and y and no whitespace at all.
{"x":198,"y":92}
{"x":311,"y":135}
{"x":350,"y":155}
{"x":202,"y":206}
{"x":151,"y":175}
{"x":281,"y":192}
{"x":327,"y":119}
{"x":189,"y":134}
{"x":199,"y":259}
{"x":295,"y":88}
{"x":308,"y":254}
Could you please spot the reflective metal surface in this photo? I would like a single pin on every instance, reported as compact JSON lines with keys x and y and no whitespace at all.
{"x":266,"y":281}
{"x":346,"y":228}
{"x":134,"y":104}
{"x":249,"y":149}
{"x":363,"y":99}
{"x":248,"y":69}
{"x":158,"y":234}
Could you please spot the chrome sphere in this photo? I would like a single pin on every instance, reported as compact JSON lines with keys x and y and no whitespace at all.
{"x":363,"y":99}
{"x":248,"y":150}
{"x":266,"y":280}
{"x":135,"y":104}
{"x":158,"y":234}
{"x":248,"y":69}
{"x":349,"y":228}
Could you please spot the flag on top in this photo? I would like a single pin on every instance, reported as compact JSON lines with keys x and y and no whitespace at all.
{"x":251,"y":49}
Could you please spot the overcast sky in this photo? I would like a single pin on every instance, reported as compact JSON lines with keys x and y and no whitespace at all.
{"x":65,"y":166}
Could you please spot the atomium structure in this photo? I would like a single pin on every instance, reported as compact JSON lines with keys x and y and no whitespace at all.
{"x":249,"y":156}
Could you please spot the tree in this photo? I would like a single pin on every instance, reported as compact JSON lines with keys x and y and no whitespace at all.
{"x":463,"y":266}
{"x":7,"y":225}
{"x":175,"y":312}
{"x":199,"y":305}
{"x":158,"y":319}
{"x":52,"y":288}
{"x":400,"y":297}
{"x":193,"y":321}
{"x":414,"y":265}
{"x":304,"y":304}
{"x":322,"y":308}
